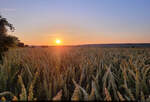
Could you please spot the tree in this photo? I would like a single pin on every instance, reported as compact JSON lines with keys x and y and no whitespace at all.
{"x":3,"y":24}
{"x":6,"y":41}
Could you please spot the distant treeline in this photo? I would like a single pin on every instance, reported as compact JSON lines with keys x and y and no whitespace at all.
{"x":21,"y":44}
{"x":129,"y":45}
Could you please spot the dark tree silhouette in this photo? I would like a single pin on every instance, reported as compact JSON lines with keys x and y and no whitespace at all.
{"x":3,"y":24}
{"x":6,"y":41}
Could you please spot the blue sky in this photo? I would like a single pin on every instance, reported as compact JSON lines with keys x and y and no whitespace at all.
{"x":40,"y":22}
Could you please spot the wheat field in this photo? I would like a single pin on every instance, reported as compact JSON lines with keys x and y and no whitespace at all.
{"x":75,"y":73}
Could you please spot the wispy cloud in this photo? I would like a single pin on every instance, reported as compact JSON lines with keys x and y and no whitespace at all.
{"x":7,"y":9}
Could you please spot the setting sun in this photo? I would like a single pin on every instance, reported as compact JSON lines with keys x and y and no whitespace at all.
{"x":58,"y":41}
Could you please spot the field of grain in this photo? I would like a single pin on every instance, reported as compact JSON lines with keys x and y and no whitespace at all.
{"x":75,"y":73}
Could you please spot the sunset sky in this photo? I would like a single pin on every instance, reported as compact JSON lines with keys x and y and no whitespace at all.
{"x":40,"y":22}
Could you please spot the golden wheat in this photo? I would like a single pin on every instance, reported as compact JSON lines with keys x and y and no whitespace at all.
{"x":75,"y":73}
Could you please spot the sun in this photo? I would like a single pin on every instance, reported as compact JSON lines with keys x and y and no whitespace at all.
{"x":58,"y":42}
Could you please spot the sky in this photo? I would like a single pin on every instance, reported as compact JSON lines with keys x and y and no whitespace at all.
{"x":40,"y":22}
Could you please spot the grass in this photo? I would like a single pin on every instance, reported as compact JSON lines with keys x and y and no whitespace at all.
{"x":76,"y":73}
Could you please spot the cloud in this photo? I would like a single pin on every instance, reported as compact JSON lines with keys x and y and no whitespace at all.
{"x":7,"y":9}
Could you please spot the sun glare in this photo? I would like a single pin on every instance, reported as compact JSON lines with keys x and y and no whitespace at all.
{"x":58,"y":42}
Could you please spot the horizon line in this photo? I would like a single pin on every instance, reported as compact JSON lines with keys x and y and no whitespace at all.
{"x":89,"y":44}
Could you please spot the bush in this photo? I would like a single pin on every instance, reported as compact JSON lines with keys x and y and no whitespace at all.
{"x":21,"y":44}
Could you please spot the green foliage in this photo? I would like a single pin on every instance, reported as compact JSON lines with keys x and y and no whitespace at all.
{"x":6,"y":41}
{"x":75,"y":73}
